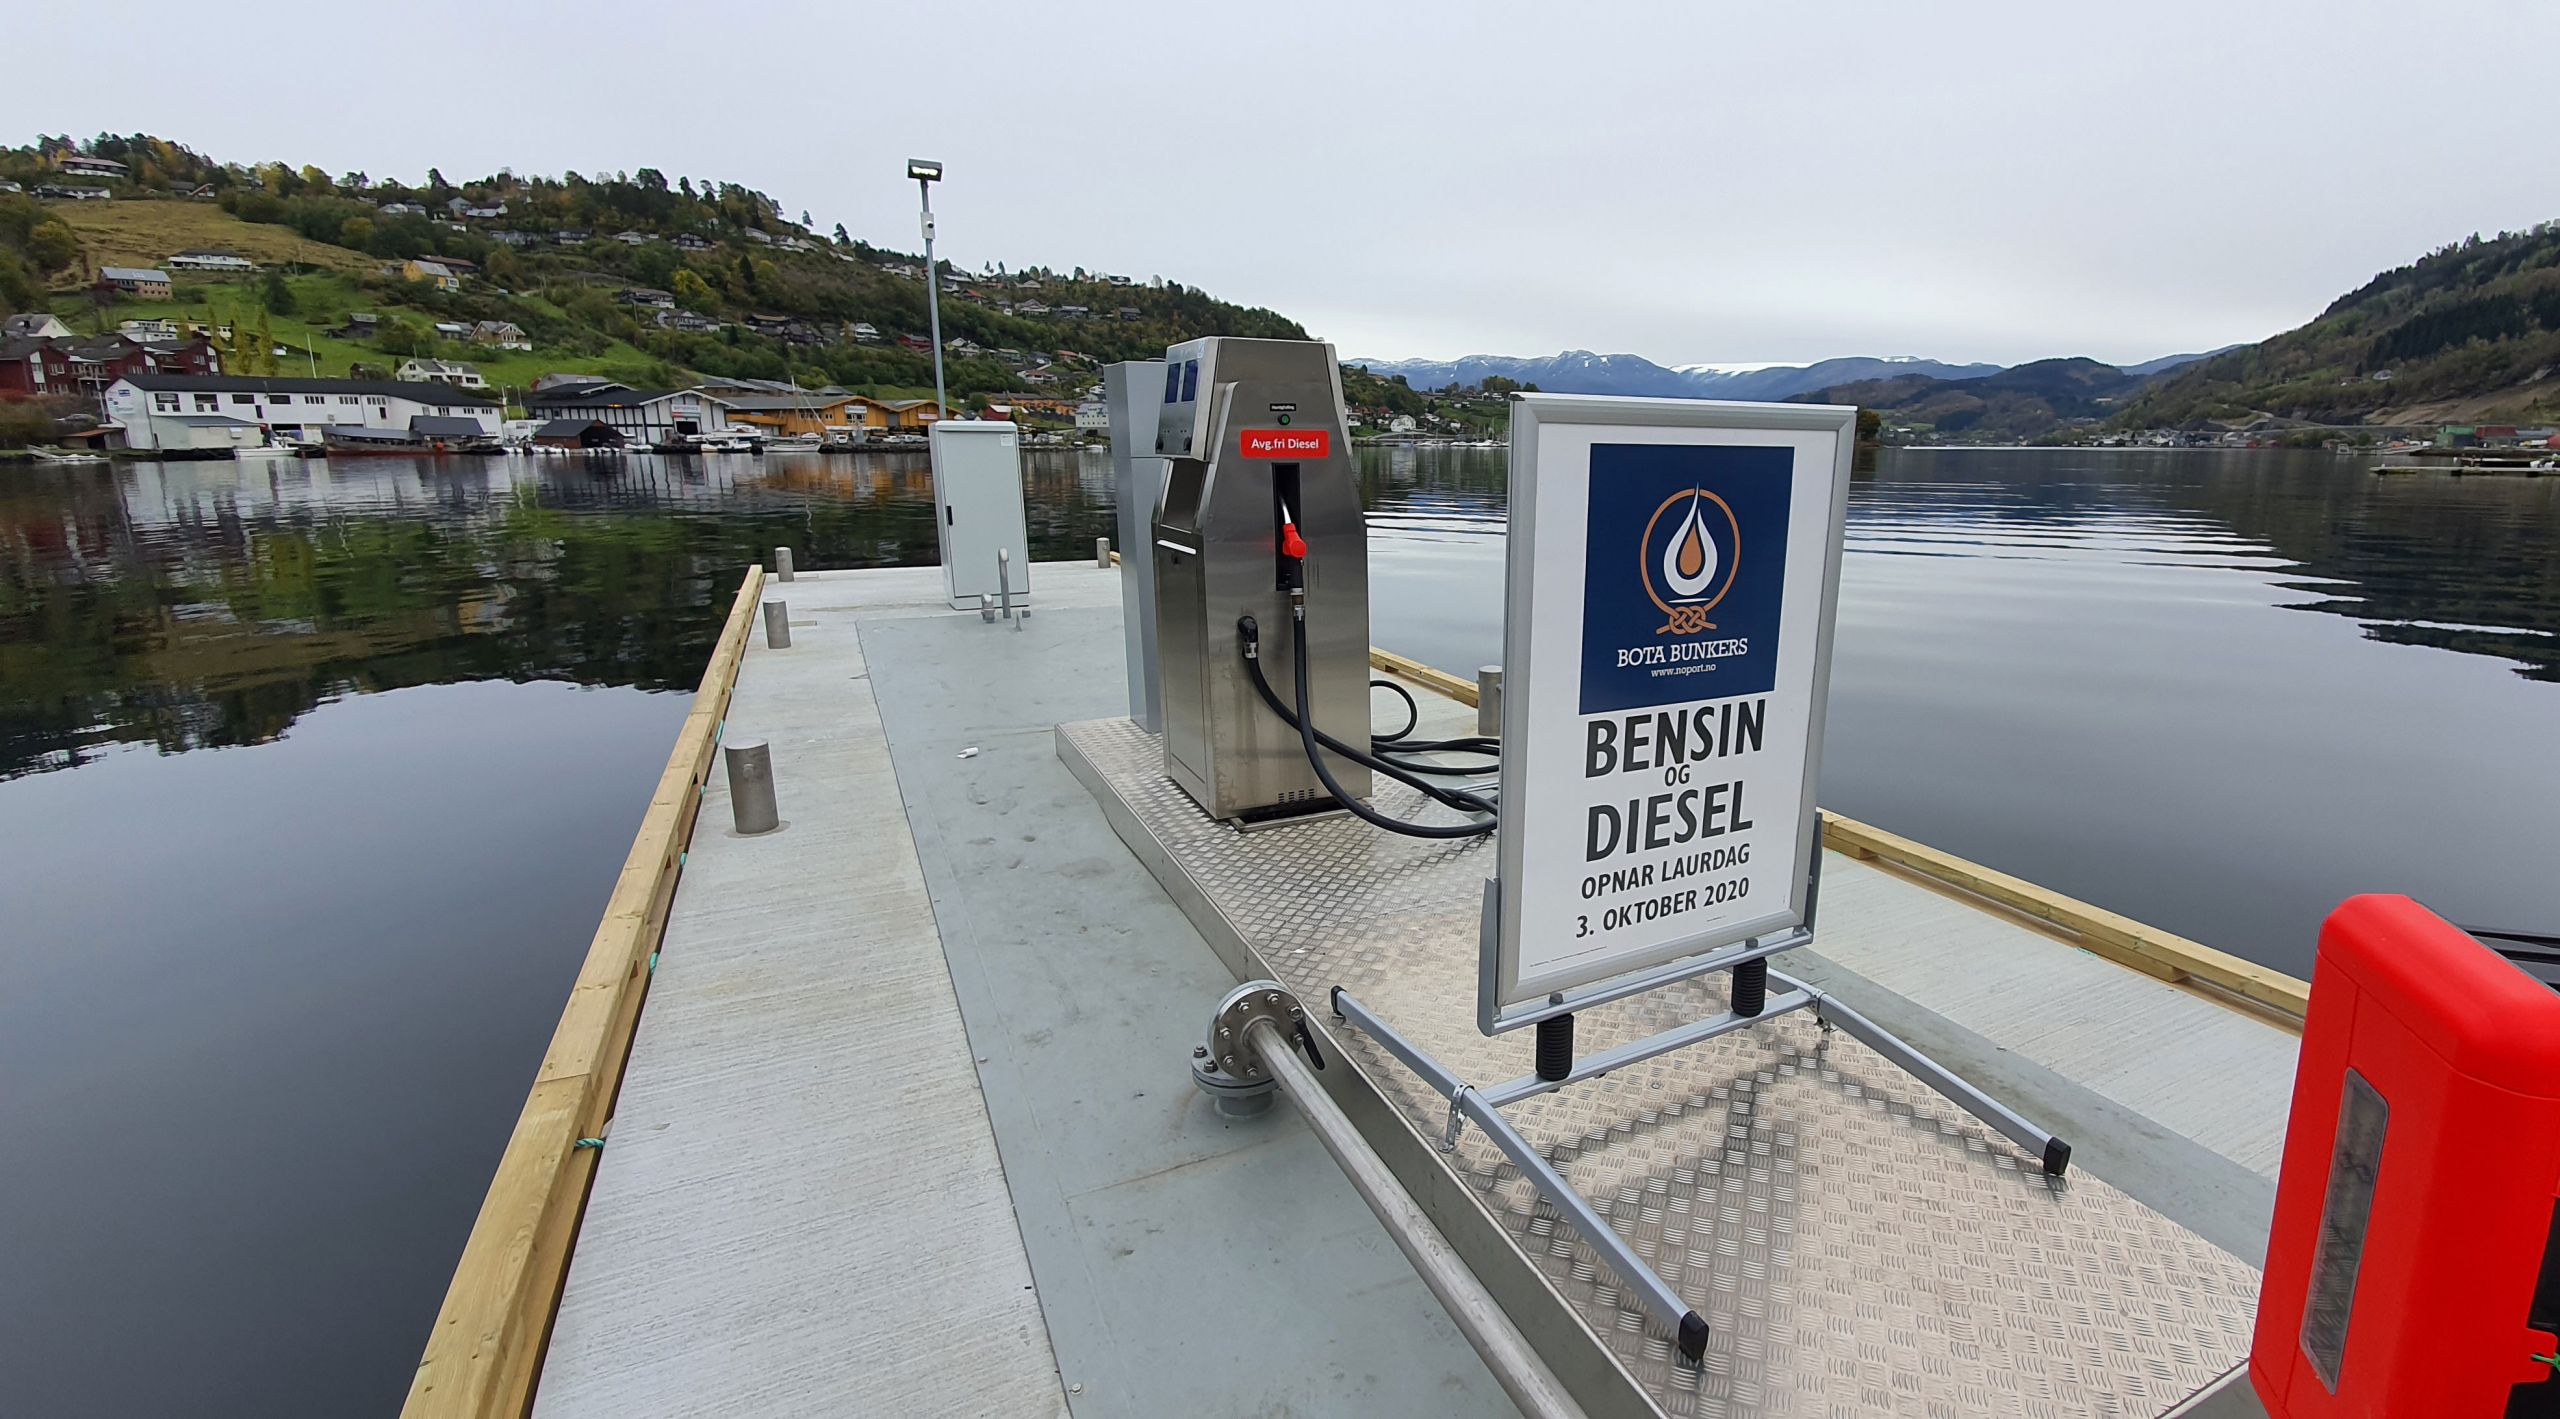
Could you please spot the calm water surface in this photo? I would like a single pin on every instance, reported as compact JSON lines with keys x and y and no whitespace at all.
{"x":313,"y":781}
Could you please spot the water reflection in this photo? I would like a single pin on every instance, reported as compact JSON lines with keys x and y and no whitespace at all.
{"x":2215,"y":692}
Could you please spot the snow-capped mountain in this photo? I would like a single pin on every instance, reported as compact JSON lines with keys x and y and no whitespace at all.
{"x":1582,"y":372}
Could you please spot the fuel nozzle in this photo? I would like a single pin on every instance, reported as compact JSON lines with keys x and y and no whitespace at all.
{"x":1293,"y":553}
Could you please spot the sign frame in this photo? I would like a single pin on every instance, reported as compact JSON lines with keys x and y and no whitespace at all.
{"x":1508,"y":998}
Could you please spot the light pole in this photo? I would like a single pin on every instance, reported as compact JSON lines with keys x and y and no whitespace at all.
{"x":927,"y":172}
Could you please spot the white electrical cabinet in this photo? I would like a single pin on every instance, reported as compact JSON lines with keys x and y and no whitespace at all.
{"x":977,"y":505}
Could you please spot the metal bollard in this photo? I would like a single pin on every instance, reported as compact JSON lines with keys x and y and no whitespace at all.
{"x":1102,"y":554}
{"x":782,"y":564}
{"x":777,"y":625}
{"x":1004,"y":583}
{"x":1488,"y":699}
{"x":751,"y":802}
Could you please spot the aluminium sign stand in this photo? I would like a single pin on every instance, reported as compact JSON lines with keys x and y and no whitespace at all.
{"x":1673,"y":571}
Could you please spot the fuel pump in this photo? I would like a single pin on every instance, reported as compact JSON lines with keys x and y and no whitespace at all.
{"x":1262,"y":590}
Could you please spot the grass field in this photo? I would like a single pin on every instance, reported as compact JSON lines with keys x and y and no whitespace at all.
{"x":147,"y":233}
{"x":321,"y":304}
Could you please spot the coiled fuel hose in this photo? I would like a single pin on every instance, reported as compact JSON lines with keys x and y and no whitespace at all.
{"x":1485,"y":815}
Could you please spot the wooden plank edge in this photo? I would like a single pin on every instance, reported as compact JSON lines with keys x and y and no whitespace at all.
{"x":483,"y":1357}
{"x":2221,"y":976}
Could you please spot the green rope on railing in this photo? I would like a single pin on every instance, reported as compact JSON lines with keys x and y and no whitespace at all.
{"x":653,"y":963}
{"x":590,"y":1143}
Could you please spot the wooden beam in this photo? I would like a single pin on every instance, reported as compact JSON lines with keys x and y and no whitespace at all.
{"x":1430,"y":677}
{"x":484,"y":1357}
{"x":2117,"y":937}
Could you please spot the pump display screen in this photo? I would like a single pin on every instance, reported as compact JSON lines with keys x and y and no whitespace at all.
{"x":1672,"y":565}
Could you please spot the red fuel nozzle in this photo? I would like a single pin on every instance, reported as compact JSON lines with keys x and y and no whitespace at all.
{"x":1291,"y":544}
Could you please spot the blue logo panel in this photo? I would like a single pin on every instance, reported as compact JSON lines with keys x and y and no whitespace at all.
{"x":1685,"y":571}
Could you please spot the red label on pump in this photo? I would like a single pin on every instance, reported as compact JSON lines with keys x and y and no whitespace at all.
{"x":1286,"y":443}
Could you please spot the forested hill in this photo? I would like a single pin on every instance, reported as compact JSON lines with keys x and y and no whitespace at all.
{"x":761,"y":295}
{"x":2024,"y":401}
{"x":2469,"y":332}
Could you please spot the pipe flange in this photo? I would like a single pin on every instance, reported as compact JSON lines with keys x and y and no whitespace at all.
{"x":1251,"y":1001}
{"x":1223,"y":1067}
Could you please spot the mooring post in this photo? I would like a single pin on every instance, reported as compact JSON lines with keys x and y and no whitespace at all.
{"x":1004,"y":584}
{"x":751,"y":803}
{"x":777,"y":625}
{"x":1488,"y":699}
{"x":1102,"y":554}
{"x":782,"y":564}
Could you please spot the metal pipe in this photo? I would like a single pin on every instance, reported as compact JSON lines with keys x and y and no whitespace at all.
{"x":1432,"y":1071}
{"x":782,"y":564}
{"x":777,"y":625}
{"x":1514,"y":1363}
{"x":1632,"y":1270}
{"x":2053,"y":1152}
{"x":751,"y":803}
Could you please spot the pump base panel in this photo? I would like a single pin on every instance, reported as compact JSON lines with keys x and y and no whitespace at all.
{"x":1855,"y":1243}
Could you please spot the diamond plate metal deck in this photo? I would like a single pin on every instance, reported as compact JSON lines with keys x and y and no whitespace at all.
{"x":1858,"y":1245}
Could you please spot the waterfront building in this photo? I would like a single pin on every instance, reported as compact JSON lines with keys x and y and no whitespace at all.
{"x":646,"y":416}
{"x":86,"y":366}
{"x":155,"y":410}
{"x":804,"y":413}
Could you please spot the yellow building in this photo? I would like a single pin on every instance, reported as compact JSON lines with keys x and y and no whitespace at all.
{"x":434,"y":273}
{"x":780,"y":414}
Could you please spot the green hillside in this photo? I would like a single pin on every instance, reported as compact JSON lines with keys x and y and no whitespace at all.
{"x":552,"y":255}
{"x":2470,"y":332}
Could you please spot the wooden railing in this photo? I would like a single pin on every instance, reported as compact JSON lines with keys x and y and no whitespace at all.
{"x":485,"y":1354}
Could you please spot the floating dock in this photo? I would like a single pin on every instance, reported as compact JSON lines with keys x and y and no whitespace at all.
{"x":906,"y":1126}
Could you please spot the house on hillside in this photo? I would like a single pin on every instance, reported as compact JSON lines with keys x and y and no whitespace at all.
{"x":505,"y":334}
{"x":1127,"y":312}
{"x":632,"y":238}
{"x":690,"y":322}
{"x":425,"y":371}
{"x":687,"y":241}
{"x":72,"y":165}
{"x":146,"y":331}
{"x":140,"y":282}
{"x":361,"y":325}
{"x":1032,"y":308}
{"x":434,"y":273}
{"x":471,"y":211}
{"x":574,"y":236}
{"x":917,"y":343}
{"x":210,"y":259}
{"x":403,"y":209}
{"x":865,"y":332}
{"x":36,"y":326}
{"x":517,"y":238}
{"x":72,"y":194}
{"x":759,"y":238}
{"x":649,"y":296}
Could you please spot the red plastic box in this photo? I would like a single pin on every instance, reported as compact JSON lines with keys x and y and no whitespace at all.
{"x":2414,"y":1267}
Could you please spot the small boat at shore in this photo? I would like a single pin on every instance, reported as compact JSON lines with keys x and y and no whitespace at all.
{"x":55,"y":455}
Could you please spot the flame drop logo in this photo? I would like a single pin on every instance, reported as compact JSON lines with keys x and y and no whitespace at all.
{"x":1689,"y":557}
{"x":1681,"y":560}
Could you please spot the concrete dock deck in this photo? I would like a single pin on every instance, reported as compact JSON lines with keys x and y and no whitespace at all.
{"x":907,"y":1127}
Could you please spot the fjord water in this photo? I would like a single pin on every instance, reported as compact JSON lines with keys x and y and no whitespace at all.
{"x":314,"y":779}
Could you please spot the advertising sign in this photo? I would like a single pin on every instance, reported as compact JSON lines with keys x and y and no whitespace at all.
{"x":1673,"y":566}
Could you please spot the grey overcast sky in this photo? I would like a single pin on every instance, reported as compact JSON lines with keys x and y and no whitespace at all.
{"x":1689,"y":182}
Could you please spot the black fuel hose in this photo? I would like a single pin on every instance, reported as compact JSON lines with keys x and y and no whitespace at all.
{"x":1316,"y":741}
{"x":1249,"y":646}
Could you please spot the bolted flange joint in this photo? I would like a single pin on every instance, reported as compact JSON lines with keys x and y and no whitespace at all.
{"x":1227,"y":1067}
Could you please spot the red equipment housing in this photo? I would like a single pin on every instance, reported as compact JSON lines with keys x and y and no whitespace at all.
{"x":2414,"y":1266}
